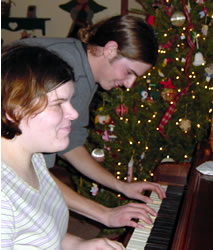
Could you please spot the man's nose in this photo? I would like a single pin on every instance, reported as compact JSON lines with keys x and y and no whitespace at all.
{"x":129,"y":82}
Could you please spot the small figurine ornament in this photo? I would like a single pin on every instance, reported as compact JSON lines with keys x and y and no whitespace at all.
{"x":94,"y":189}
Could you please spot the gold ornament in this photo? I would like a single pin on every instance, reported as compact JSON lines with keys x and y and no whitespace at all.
{"x":168,"y":94}
{"x":185,"y":124}
{"x":178,"y":19}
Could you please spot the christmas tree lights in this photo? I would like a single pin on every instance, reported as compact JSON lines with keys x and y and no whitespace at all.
{"x":169,"y":109}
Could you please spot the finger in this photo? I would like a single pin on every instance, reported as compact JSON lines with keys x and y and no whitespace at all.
{"x":142,"y":215}
{"x":138,"y":207}
{"x":155,"y":187}
{"x":160,"y":191}
{"x":115,"y":244}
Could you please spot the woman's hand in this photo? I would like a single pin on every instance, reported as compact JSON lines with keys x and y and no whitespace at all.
{"x":72,"y":242}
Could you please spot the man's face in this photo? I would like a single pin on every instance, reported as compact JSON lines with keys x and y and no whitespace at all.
{"x":121,"y":72}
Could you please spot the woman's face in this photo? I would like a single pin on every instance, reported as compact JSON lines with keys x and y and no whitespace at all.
{"x":49,"y":130}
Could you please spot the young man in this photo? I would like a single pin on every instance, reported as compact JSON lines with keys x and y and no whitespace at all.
{"x":112,"y":54}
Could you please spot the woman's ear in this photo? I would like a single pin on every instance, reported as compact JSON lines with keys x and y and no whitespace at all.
{"x":111,"y":49}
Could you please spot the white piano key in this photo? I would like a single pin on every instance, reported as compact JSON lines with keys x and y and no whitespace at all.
{"x":140,"y":235}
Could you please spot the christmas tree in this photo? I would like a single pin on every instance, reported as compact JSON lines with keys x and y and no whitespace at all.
{"x":167,"y":112}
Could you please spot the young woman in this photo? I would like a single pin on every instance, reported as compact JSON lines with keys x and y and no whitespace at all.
{"x":36,"y":117}
{"x":112,"y":53}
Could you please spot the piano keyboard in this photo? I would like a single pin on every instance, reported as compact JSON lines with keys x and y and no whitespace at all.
{"x":159,"y":235}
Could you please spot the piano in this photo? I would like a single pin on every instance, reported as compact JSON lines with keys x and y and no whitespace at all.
{"x":185,"y":217}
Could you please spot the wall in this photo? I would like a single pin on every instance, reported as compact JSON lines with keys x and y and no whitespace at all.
{"x":61,"y":21}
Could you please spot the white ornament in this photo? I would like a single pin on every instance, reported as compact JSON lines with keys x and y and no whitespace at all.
{"x":98,"y":154}
{"x":130,"y":169}
{"x":198,"y":59}
{"x":167,"y":159}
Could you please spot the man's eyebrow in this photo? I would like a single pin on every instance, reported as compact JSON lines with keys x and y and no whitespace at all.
{"x":135,"y":73}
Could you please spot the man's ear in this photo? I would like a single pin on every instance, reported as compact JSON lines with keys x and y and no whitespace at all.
{"x":110,"y":49}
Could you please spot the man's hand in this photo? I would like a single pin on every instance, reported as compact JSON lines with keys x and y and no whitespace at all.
{"x":134,"y":190}
{"x":123,"y":215}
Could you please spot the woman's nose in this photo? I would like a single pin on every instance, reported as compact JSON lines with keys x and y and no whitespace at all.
{"x":72,"y":113}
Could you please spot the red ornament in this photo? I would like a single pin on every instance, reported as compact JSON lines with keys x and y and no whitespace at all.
{"x":151,"y":20}
{"x":121,"y":110}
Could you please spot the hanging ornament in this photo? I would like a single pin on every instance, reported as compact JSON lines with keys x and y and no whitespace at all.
{"x":200,"y":1}
{"x":121,"y":110}
{"x":105,"y":136}
{"x":156,"y":4}
{"x":188,"y":6}
{"x":130,"y":169}
{"x":204,"y":29}
{"x":203,"y":13}
{"x":160,"y":73}
{"x":143,"y":155}
{"x":169,"y":9}
{"x":185,"y":125}
{"x":168,"y":94}
{"x":111,"y":134}
{"x":166,"y":45}
{"x":198,"y":59}
{"x":178,"y":19}
{"x":98,"y":154}
{"x":183,"y":37}
{"x":166,"y":61}
{"x":209,"y":72}
{"x":102,"y":119}
{"x":168,"y":84}
{"x":167,"y":159}
{"x":151,"y":20}
{"x":94,"y":189}
{"x":183,"y":60}
{"x":144,"y":95}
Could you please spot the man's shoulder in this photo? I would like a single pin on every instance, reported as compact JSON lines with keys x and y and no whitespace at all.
{"x":52,"y":42}
{"x":70,"y":49}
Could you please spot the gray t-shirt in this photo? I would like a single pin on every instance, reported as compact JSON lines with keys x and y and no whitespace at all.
{"x":73,"y":52}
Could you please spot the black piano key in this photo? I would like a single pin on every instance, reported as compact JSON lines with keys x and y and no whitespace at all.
{"x":155,"y":247}
{"x":164,"y":225}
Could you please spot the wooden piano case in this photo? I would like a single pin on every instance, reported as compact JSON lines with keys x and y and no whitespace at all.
{"x":195,"y":223}
{"x":194,"y":230}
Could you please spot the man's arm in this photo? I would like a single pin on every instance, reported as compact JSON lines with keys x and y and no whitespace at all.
{"x":111,"y":217}
{"x":82,"y":160}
